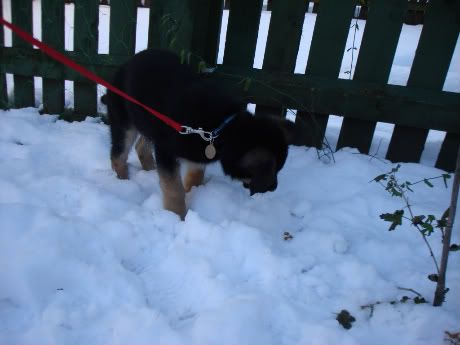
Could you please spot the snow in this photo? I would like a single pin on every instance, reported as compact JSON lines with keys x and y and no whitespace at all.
{"x":88,"y":258}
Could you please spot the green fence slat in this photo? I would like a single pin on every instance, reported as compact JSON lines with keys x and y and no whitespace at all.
{"x":429,"y":70}
{"x":85,"y":45}
{"x":325,"y":57}
{"x":53,"y":34}
{"x":329,"y":37}
{"x":283,"y":41}
{"x":123,"y":15}
{"x":242,"y":30}
{"x":3,"y":89}
{"x":207,"y":23}
{"x":21,"y":11}
{"x":449,"y":150}
{"x":284,"y":35}
{"x":170,"y":25}
{"x":191,"y":28}
{"x":375,"y":59}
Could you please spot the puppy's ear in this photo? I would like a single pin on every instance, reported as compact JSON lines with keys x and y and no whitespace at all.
{"x":288,"y":128}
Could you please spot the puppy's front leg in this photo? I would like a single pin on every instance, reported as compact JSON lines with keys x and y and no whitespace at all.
{"x":173,"y":191}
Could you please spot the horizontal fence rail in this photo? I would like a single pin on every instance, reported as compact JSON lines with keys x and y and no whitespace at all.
{"x":192,"y":29}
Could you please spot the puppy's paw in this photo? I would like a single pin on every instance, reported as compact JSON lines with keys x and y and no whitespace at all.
{"x":121,"y":169}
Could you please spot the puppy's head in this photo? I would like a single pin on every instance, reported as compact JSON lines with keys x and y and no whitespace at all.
{"x":256,"y":150}
{"x":259,"y":165}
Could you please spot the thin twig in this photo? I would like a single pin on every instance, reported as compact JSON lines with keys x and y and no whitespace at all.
{"x":410,"y":290}
{"x":406,"y":200}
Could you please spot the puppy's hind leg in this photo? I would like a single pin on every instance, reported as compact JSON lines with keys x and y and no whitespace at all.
{"x":144,"y":152}
{"x":122,"y":142}
{"x":194,"y":175}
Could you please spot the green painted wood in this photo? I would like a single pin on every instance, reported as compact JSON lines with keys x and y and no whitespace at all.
{"x":242,"y":30}
{"x":191,"y":28}
{"x":53,"y":34}
{"x":375,"y":59}
{"x":325,"y":58}
{"x":328,"y":42}
{"x":170,"y":25}
{"x":3,"y":90}
{"x":449,"y":149}
{"x":21,"y":11}
{"x":123,"y":14}
{"x":367,"y":101}
{"x":281,"y":53}
{"x":429,"y":69}
{"x":207,"y":16}
{"x":85,"y":44}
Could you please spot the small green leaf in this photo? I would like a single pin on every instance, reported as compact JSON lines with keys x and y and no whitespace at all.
{"x":430,"y":218}
{"x":419,"y":300}
{"x":427,"y":229}
{"x":247,"y":84}
{"x":395,"y":218}
{"x":396,"y":168}
{"x":442,"y":223}
{"x":433,"y":277}
{"x":345,"y":319}
{"x":445,"y":177}
{"x":201,"y":66}
{"x":379,"y":178}
{"x":404,"y":299}
{"x":409,"y":184}
{"x":173,"y":41}
{"x":428,"y":183}
{"x":418,"y":220}
{"x":454,"y":247}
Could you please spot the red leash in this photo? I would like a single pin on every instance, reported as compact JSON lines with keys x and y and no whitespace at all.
{"x":86,"y":73}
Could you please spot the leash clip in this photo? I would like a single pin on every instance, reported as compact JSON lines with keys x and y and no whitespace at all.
{"x":206,"y":136}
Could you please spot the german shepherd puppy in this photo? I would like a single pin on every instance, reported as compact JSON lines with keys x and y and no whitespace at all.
{"x":251,"y":149}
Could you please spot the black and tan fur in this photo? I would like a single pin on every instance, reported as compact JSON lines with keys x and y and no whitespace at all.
{"x":250,"y":149}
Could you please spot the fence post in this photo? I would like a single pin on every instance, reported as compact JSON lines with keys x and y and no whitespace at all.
{"x":429,"y":70}
{"x":324,"y":60}
{"x":378,"y":48}
{"x":21,"y":11}
{"x":281,"y":53}
{"x":53,"y":34}
{"x":86,"y":39}
{"x":188,"y":27}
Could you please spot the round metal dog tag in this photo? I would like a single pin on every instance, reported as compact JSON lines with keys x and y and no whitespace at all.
{"x":210,"y":151}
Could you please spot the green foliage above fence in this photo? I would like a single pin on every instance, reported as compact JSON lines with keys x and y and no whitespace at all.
{"x":192,"y":28}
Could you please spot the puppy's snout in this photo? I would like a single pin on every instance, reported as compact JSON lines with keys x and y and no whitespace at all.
{"x":254,"y":189}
